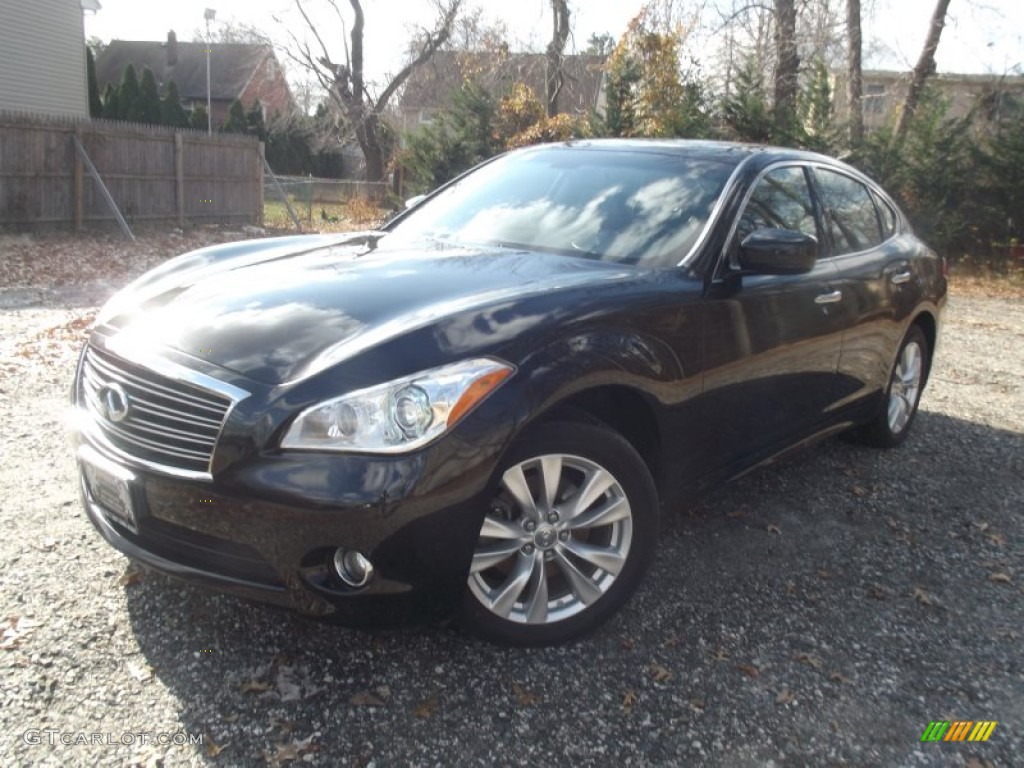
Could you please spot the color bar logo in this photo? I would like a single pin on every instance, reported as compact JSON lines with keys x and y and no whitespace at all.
{"x":958,"y":730}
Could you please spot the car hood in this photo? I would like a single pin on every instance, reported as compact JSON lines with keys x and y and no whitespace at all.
{"x":281,"y":313}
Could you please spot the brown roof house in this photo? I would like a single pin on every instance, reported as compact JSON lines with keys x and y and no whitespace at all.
{"x":243,"y":71}
{"x":431,"y":88}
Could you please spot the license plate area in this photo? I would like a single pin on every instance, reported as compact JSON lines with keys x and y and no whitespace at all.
{"x":110,"y":486}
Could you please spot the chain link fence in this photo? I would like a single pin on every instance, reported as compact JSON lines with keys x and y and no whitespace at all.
{"x":314,"y":200}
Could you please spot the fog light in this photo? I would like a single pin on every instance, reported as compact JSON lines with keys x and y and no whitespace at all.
{"x":352,"y":567}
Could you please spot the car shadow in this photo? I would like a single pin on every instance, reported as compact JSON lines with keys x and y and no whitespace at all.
{"x":826,"y":597}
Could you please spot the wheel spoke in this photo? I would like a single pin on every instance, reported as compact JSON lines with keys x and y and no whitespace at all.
{"x":492,"y":554}
{"x":509,"y":592}
{"x":911,"y":368}
{"x":597,"y":482}
{"x":537,"y":605}
{"x":515,"y":483}
{"x":551,"y":473}
{"x":586,"y":591}
{"x":610,"y":512}
{"x":608,"y":559}
{"x":896,"y":406}
{"x":502,"y":529}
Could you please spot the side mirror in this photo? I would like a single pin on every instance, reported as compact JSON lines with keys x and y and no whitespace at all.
{"x":778,"y":252}
{"x":412,"y":202}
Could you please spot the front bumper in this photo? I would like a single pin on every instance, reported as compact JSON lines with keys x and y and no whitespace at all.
{"x":267,"y":529}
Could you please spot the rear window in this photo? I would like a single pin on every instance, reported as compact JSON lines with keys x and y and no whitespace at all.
{"x":850,"y":214}
{"x":616,"y":205}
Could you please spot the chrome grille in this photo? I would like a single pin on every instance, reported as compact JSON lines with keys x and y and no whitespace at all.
{"x":168,"y":422}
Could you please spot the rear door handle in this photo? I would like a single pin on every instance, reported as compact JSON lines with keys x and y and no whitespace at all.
{"x":829,"y":298}
{"x":901,"y":277}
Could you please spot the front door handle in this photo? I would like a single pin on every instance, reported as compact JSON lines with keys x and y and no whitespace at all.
{"x":829,"y":298}
{"x":901,"y":277}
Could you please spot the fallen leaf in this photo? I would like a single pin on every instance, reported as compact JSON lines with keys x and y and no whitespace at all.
{"x":1000,"y":578}
{"x":629,"y":700}
{"x":858,"y":490}
{"x":790,"y":588}
{"x":749,"y":670}
{"x":996,"y":539}
{"x":773,"y":529}
{"x":288,"y":752}
{"x":366,"y":699}
{"x":628,"y":644}
{"x":524,"y":698}
{"x":922,"y":597}
{"x":825,"y":574}
{"x":721,"y":655}
{"x":426,"y":708}
{"x":877,"y":592}
{"x":255,"y":686}
{"x":659,"y":673}
{"x":736,"y":513}
{"x":838,"y":677}
{"x":213,"y":748}
{"x":808,"y":659}
{"x":982,"y":526}
{"x":671,"y":642}
{"x":785,"y":696}
{"x":697,"y":704}
{"x":129,"y":578}
{"x":850,"y":471}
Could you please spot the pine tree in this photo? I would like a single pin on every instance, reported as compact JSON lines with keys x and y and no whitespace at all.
{"x":745,"y":110}
{"x":236,"y":122}
{"x":128,"y":96}
{"x":198,"y":119}
{"x":254,"y":121}
{"x":111,"y":103}
{"x":171,"y":111}
{"x":149,"y":99}
{"x":95,"y":105}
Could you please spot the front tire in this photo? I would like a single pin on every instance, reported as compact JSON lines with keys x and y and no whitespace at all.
{"x":906,"y":383}
{"x":570,"y":531}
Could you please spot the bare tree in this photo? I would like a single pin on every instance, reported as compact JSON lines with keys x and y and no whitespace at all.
{"x":925,"y":67}
{"x":346,"y":83}
{"x":854,"y":72}
{"x":554,"y":76}
{"x":787,"y":65}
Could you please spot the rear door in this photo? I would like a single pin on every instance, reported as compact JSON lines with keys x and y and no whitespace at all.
{"x":772,"y":342}
{"x":874,"y":275}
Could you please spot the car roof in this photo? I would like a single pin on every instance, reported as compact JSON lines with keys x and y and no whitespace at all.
{"x":729,"y":152}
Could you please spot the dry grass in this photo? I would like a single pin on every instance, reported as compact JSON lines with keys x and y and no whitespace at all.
{"x":1002,"y":280}
{"x":356,"y":214}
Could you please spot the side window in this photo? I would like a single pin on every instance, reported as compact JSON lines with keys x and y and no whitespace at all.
{"x":850,"y":214}
{"x":781,"y":200}
{"x":887,"y":216}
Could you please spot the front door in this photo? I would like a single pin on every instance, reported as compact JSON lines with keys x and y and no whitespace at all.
{"x":772,"y":342}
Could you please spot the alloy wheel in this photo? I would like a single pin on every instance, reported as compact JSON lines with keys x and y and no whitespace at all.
{"x":905,"y":386}
{"x":555,"y":539}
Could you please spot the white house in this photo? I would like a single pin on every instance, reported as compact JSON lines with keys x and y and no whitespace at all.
{"x":42,"y":56}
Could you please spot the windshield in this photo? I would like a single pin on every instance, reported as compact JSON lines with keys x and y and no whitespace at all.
{"x":631,"y":207}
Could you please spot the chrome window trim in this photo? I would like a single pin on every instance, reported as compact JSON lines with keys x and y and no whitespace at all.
{"x":716,"y":211}
{"x":794,"y":163}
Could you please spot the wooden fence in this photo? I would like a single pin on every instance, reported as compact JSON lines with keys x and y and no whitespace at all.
{"x":153,"y":173}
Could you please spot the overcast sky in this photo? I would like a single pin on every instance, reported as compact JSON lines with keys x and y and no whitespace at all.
{"x":981,"y":36}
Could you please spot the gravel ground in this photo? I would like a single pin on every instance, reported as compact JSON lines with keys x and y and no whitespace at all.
{"x":819,"y":612}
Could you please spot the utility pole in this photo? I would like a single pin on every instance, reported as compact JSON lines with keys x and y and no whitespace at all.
{"x":209,"y":15}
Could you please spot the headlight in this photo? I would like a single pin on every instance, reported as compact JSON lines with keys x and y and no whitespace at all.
{"x":399,"y":416}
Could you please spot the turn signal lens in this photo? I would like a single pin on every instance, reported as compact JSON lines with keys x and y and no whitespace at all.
{"x":476,"y":392}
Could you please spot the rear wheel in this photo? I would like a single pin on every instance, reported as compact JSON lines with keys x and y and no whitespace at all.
{"x":570,"y":530}
{"x":906,"y":382}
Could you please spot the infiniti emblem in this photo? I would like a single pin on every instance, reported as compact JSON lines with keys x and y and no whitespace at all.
{"x":114,"y":402}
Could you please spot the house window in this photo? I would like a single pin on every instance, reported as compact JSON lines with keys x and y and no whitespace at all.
{"x":426,"y":118}
{"x":874,"y":98}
